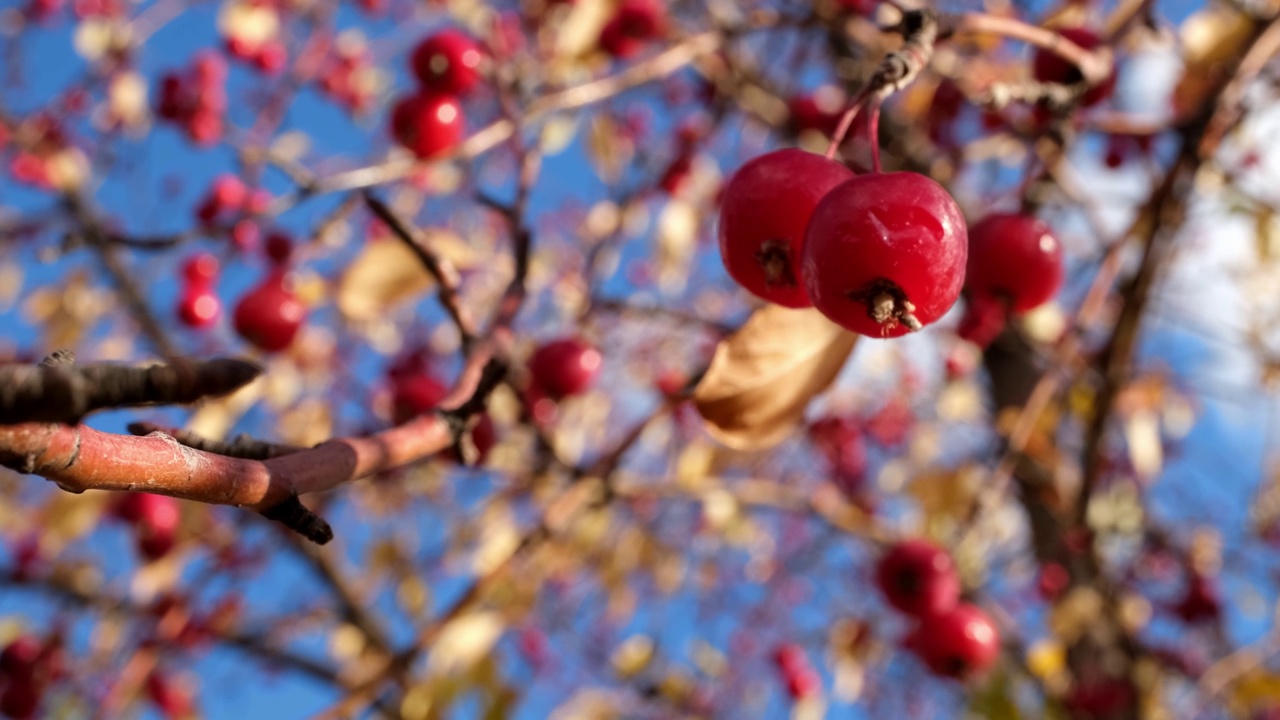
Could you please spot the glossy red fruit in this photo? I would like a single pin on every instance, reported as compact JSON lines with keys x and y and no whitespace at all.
{"x":789,"y":656}
{"x":270,"y":315}
{"x":807,"y":112}
{"x":414,"y":394}
{"x":200,"y":269}
{"x":448,"y":62}
{"x":918,"y":578}
{"x":764,"y":210}
{"x":199,"y":306}
{"x":565,"y":367}
{"x":632,"y":25}
{"x":957,"y":644}
{"x":1047,"y":66}
{"x":428,"y":125}
{"x":271,"y":57}
{"x":885,"y":253}
{"x":1015,"y":258}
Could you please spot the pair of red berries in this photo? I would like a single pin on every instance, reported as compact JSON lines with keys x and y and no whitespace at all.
{"x":199,"y":306}
{"x":954,"y":639}
{"x":155,"y":520}
{"x":197,"y":99}
{"x":879,"y":254}
{"x":447,"y":66}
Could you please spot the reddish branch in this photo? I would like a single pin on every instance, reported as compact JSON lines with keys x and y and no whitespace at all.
{"x":80,"y":458}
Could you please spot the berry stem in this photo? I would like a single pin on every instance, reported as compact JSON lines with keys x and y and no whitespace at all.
{"x":846,"y":121}
{"x":873,"y":134}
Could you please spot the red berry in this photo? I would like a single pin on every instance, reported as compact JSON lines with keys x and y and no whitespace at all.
{"x":1202,"y":602}
{"x":1047,"y":66}
{"x":428,"y":125}
{"x":885,"y":253}
{"x":271,"y":57}
{"x":209,"y":69}
{"x":171,"y":699}
{"x":806,"y":113}
{"x":270,"y":315}
{"x":199,"y":307}
{"x":204,"y":127}
{"x":764,"y":210}
{"x":790,"y":656}
{"x":803,"y":682}
{"x":840,"y":441}
{"x":140,"y":507}
{"x":200,"y":269}
{"x":19,"y":657}
{"x":1053,"y":579}
{"x":918,"y":578}
{"x":956,"y":644}
{"x":565,"y":367}
{"x":447,"y":62}
{"x":483,"y":436}
{"x":245,"y":235}
{"x":154,"y":542}
{"x":632,"y":25}
{"x":415,"y":394}
{"x":20,"y":701}
{"x":983,"y":320}
{"x":1015,"y":258}
{"x":279,"y":248}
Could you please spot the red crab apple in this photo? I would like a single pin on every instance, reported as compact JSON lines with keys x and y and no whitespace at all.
{"x":448,"y":63}
{"x":957,"y":644}
{"x":633,"y":24}
{"x":428,"y":125}
{"x":564,"y":367}
{"x":885,"y":253}
{"x":918,"y":578}
{"x":199,"y":306}
{"x":1015,"y":258}
{"x":764,"y":211}
{"x":270,"y":315}
{"x":1048,"y":66}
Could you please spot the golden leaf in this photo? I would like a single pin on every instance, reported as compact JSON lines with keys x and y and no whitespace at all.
{"x":677,"y":231}
{"x":1213,"y":35}
{"x":764,"y":375}
{"x":632,"y":656}
{"x":608,"y":148}
{"x":385,"y":274}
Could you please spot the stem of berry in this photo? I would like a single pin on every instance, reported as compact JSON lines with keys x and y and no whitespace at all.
{"x":846,"y":121}
{"x":873,"y":134}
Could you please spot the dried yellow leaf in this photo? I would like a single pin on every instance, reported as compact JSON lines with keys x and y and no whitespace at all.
{"x":764,"y":375}
{"x":384,"y":275}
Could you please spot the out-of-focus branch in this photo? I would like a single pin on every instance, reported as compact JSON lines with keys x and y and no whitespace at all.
{"x":63,"y":393}
{"x":440,"y":269}
{"x":1094,"y":65}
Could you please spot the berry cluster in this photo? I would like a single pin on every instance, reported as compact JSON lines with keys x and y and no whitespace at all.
{"x":447,"y":66}
{"x":196,"y":99}
{"x":880,"y":254}
{"x":27,"y":667}
{"x":954,"y":639}
{"x":154,"y":519}
{"x":229,"y":203}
